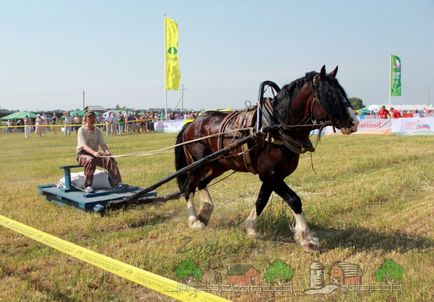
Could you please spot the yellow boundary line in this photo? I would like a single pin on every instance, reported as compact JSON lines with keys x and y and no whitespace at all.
{"x":150,"y":280}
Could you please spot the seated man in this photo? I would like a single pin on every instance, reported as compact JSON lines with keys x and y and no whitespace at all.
{"x":89,"y":138}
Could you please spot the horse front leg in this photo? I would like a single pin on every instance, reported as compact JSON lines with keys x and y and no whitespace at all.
{"x":302,"y":234}
{"x":261,"y":202}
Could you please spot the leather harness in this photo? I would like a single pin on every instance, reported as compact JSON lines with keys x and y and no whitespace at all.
{"x":261,"y":116}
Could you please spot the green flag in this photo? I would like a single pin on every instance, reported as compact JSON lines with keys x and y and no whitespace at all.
{"x":395,"y":75}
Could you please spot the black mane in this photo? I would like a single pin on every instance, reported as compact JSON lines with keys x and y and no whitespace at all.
{"x":283,"y":100}
{"x":328,"y":91}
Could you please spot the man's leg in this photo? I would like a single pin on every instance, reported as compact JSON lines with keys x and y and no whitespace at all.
{"x":111,"y":166}
{"x":89,"y":163}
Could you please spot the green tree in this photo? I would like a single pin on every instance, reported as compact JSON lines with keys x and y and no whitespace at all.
{"x":278,"y":271}
{"x":188,"y":270}
{"x":389,"y":271}
{"x":356,"y":103}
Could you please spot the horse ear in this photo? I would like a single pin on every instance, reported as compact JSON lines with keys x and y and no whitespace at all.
{"x":323,"y":72}
{"x":334,"y":72}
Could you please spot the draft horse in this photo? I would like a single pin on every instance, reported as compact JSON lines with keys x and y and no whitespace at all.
{"x":308,"y":103}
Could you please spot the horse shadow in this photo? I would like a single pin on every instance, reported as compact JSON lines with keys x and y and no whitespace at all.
{"x":358,"y":238}
{"x":363,"y":239}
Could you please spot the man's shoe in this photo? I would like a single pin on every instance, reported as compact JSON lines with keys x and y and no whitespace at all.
{"x":121,"y":186}
{"x":88,"y":189}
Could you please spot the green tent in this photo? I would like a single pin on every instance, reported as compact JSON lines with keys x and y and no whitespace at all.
{"x":19,"y":115}
{"x":364,"y":111}
{"x":76,"y":112}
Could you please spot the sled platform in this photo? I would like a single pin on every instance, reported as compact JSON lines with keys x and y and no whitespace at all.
{"x":92,"y":202}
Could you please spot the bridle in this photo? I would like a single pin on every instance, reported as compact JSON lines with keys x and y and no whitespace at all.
{"x":266,"y":114}
{"x":270,"y":124}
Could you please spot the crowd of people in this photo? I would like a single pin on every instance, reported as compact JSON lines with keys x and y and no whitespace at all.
{"x":384,"y":113}
{"x":110,"y":123}
{"x":122,"y":122}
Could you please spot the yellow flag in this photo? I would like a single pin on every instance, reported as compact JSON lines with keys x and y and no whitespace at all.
{"x":171,"y":56}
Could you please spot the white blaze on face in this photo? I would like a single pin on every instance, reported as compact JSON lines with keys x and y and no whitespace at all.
{"x":355,"y":123}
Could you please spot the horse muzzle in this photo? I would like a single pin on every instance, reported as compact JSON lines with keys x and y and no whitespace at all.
{"x":354,"y":122}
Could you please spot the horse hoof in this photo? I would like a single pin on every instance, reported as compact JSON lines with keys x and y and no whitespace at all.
{"x":308,"y":242}
{"x":203,"y":219}
{"x":310,"y":247}
{"x":251,"y":232}
{"x":197,"y":225}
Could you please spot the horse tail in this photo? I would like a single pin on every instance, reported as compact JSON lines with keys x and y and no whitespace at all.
{"x":180,"y":160}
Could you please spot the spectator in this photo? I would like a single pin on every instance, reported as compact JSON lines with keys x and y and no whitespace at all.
{"x":27,"y":126}
{"x":109,"y":123}
{"x":121,"y":123}
{"x":39,"y":125}
{"x":383,"y":112}
{"x":77,"y":122}
{"x":67,"y":121}
{"x":9,"y":125}
{"x":395,"y":113}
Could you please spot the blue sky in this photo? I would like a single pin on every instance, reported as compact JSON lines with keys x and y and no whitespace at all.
{"x":53,"y":50}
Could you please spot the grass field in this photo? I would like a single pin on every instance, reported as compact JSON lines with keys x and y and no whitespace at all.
{"x":371,"y":199}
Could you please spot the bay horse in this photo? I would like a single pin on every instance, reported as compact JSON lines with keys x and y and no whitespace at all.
{"x":308,"y":103}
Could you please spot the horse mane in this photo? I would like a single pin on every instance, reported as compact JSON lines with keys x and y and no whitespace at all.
{"x":283,"y":100}
{"x":329,"y":92}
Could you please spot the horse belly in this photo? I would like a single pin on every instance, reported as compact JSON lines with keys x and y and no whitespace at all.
{"x":236,"y":164}
{"x":276,"y":159}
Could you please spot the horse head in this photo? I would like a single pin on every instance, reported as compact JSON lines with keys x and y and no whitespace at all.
{"x":330,"y":102}
{"x":316,"y":99}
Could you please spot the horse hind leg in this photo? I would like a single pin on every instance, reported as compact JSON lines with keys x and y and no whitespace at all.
{"x":206,"y":203}
{"x":261,"y":202}
{"x":206,"y":206}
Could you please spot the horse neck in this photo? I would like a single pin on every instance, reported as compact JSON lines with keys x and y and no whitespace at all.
{"x":298,"y":108}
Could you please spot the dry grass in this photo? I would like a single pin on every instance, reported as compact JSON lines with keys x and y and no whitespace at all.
{"x":371,"y":199}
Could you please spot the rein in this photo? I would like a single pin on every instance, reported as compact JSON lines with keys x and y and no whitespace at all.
{"x":152,"y":152}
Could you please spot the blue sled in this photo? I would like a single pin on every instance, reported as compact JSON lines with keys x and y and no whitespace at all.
{"x":92,"y":202}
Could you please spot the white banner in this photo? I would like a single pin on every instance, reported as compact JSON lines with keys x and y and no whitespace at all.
{"x":368,"y":126}
{"x":399,"y":126}
{"x":168,"y":126}
{"x":413,"y":126}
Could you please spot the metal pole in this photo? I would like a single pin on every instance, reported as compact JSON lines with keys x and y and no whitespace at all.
{"x":182,"y":98}
{"x":83,"y":100}
{"x":165,"y":107}
{"x":165,"y":67}
{"x":390,"y":81}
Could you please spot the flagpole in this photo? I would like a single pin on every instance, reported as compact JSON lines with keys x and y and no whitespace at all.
{"x":390,"y":81}
{"x":165,"y":49}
